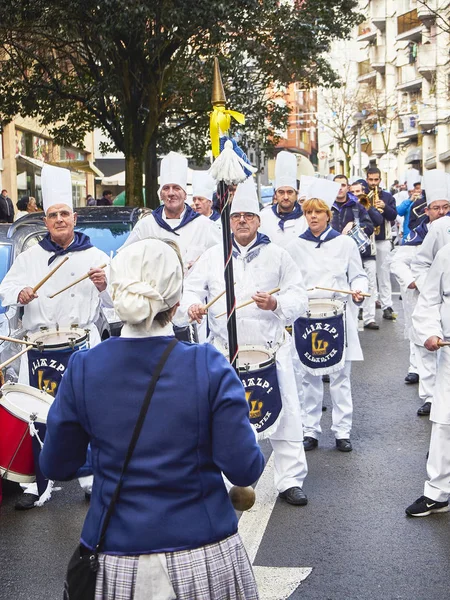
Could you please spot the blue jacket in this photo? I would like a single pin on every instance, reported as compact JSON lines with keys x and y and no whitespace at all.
{"x":417,"y":235}
{"x":173,"y":496}
{"x":389,"y":212}
{"x":404,"y":210}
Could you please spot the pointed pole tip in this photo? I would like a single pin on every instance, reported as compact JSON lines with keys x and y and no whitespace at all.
{"x":218,"y":93}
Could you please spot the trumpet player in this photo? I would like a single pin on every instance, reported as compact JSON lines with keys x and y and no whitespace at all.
{"x":384,"y":202}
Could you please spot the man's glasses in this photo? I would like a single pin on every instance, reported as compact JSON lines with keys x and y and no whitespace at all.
{"x":64,"y":214}
{"x":443,"y":209}
{"x":245,"y":216}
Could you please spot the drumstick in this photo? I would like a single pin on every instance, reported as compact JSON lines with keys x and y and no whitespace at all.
{"x":211,"y":302}
{"x":75,"y":282}
{"x":441,"y":344}
{"x":274,"y":291}
{"x":318,"y":287}
{"x":13,"y":358}
{"x":41,"y":283}
{"x":15,"y":340}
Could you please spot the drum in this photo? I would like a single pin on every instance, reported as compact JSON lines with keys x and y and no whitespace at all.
{"x":187,"y":333}
{"x":358,"y":234}
{"x":48,"y":361}
{"x":320,"y":337}
{"x":254,"y":358}
{"x":20,"y":405}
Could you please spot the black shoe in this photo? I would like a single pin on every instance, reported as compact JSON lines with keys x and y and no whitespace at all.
{"x":309,"y":443}
{"x":87,"y":496}
{"x":344,"y":445}
{"x":294,"y":495}
{"x":388,"y":314}
{"x":372,"y":325}
{"x":326,"y":378}
{"x":412,"y":378}
{"x":26,"y":502}
{"x":377,"y":304}
{"x":424,"y":410}
{"x":324,"y":408}
{"x":424,"y":506}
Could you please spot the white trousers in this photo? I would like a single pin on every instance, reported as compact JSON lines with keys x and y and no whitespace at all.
{"x":426,"y":367}
{"x":86,"y":484}
{"x":370,"y":267}
{"x":412,"y":359}
{"x":384,"y":273}
{"x":290,"y":464}
{"x":438,"y":465}
{"x":341,"y":398}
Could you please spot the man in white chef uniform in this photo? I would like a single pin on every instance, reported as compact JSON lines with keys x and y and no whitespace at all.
{"x":79,"y":305}
{"x":284,"y":220}
{"x":431,"y":320}
{"x":259,"y":266}
{"x":203,"y":188}
{"x":174,"y":219}
{"x":329,"y":259}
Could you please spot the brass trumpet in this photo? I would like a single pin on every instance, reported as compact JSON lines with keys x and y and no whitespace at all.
{"x":373,"y":199}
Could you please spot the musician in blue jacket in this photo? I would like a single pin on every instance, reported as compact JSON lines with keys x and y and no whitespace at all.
{"x":173,"y":503}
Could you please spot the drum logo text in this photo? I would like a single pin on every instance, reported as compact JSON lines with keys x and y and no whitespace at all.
{"x":320,"y":326}
{"x":319,"y":347}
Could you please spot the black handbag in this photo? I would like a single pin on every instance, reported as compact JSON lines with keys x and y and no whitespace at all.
{"x":83,"y":566}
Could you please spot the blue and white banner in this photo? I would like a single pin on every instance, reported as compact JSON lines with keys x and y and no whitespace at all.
{"x":264,"y":399}
{"x":320,"y":343}
{"x":46,"y":368}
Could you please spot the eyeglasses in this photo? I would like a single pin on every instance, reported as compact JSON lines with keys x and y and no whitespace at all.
{"x":443,"y":209}
{"x":64,"y":214}
{"x":245,"y":216}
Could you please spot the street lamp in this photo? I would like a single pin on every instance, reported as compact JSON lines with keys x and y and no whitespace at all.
{"x":359,"y":119}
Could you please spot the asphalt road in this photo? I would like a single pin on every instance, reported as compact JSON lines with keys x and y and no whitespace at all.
{"x":353,"y":533}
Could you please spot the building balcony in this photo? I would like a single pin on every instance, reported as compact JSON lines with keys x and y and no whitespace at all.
{"x":409,"y":27}
{"x":428,"y":118}
{"x":427,"y":14}
{"x":366,"y":32}
{"x":377,"y":58}
{"x":365,"y":72}
{"x":409,"y":79}
{"x":408,"y":126}
{"x":377,"y":143}
{"x":427,"y":60}
{"x":378,"y":14}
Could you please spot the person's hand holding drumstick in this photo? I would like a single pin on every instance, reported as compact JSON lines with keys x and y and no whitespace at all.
{"x":26,"y":296}
{"x":196,"y":312}
{"x":98,"y":277}
{"x":357,"y":296}
{"x":265,"y":301}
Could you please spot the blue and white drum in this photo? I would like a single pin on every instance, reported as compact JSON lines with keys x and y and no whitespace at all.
{"x":48,"y":360}
{"x":320,"y":337}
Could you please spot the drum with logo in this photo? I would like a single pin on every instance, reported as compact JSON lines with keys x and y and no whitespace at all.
{"x":320,"y":337}
{"x":48,"y":360}
{"x":21,"y":406}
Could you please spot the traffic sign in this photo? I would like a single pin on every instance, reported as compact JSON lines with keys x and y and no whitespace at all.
{"x":364,"y":160}
{"x":388,"y":162}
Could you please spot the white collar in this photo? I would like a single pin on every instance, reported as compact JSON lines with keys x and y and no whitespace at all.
{"x":139,"y":331}
{"x":180,"y":218}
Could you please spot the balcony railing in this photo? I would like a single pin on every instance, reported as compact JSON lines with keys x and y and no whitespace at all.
{"x":365,"y":71}
{"x":427,"y":60}
{"x":378,"y":14}
{"x":409,"y":78}
{"x":366,"y":31}
{"x":377,"y":58}
{"x":407,"y":125}
{"x":427,"y":13}
{"x":408,"y":21}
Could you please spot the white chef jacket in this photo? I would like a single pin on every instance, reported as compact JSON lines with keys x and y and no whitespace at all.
{"x":400,"y":263}
{"x":292,"y":229}
{"x":437,"y":237}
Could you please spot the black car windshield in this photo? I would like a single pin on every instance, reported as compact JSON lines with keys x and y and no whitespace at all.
{"x":5,"y":257}
{"x":106,"y":236}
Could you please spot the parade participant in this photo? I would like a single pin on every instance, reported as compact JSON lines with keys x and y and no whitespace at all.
{"x":175,"y":220}
{"x":385,"y":204}
{"x":203,"y":188}
{"x":25,"y":206}
{"x":259,"y":266}
{"x":431,"y":320}
{"x":329,"y":259}
{"x":414,"y":187}
{"x":284,"y":220}
{"x":79,"y":305}
{"x":422,"y":362}
{"x":437,"y":237}
{"x":173,"y":516}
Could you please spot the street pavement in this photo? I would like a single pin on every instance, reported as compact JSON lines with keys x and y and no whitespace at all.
{"x":353,"y":534}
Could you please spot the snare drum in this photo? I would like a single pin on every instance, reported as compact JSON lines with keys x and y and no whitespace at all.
{"x":320,"y":337}
{"x":358,"y":235}
{"x":19,"y":405}
{"x":254,"y":358}
{"x":47,"y":362}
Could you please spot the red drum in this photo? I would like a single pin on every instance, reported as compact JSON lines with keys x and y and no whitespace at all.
{"x":19,"y":405}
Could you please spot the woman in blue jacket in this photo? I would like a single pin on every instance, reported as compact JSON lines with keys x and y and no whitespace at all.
{"x":173,"y":514}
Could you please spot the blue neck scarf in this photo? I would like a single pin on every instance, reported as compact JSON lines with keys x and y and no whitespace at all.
{"x":215,"y":215}
{"x":188,"y":216}
{"x":350,"y":201}
{"x":296,"y":213}
{"x":326,"y":236}
{"x":80,"y":242}
{"x":261,"y":240}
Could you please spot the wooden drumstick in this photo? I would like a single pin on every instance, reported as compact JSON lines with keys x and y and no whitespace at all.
{"x":274,"y":291}
{"x":13,"y":358}
{"x":318,"y":287}
{"x":41,"y":283}
{"x":442,"y":344}
{"x":75,"y":282}
{"x":211,"y":302}
{"x":15,"y":340}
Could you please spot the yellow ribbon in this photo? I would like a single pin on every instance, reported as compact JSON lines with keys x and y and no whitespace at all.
{"x":219,"y":124}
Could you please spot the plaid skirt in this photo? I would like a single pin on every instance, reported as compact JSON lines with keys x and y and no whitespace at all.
{"x":220,"y":571}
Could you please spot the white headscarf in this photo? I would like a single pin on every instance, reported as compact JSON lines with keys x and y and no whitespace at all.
{"x":146,"y":278}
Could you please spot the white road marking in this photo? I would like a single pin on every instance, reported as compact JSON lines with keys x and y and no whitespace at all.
{"x":274,"y":583}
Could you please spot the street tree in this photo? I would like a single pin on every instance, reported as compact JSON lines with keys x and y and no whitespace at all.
{"x":141,"y":69}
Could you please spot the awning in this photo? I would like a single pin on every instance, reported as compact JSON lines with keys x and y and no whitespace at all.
{"x":117,"y":179}
{"x":414,"y":154}
{"x":87,"y":166}
{"x":34,"y":162}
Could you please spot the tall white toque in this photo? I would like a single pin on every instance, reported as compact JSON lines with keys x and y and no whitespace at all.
{"x":56,"y":184}
{"x":203,"y":184}
{"x":412,"y":177}
{"x":306,"y":182}
{"x":325,"y":190}
{"x":246,"y":198}
{"x":435,"y":184}
{"x":286,"y":170}
{"x":174,"y":170}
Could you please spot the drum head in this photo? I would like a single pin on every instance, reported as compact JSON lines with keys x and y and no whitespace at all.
{"x":23,"y":400}
{"x":65,"y":337}
{"x":319,"y":308}
{"x":252,"y":358}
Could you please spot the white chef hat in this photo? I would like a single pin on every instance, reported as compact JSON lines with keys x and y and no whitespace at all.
{"x":286,"y":170}
{"x":306,"y":182}
{"x":174,"y":170}
{"x":412,"y":177}
{"x":245,"y":198}
{"x":203,"y":184}
{"x":325,"y":190}
{"x":146,"y":278}
{"x":56,"y":184}
{"x":435,"y":183}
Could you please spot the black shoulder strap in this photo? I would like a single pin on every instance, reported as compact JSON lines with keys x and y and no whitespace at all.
{"x":134,"y":438}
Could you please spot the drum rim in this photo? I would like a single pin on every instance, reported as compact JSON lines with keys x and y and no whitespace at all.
{"x":251,"y":367}
{"x":336,"y":311}
{"x":10,"y":386}
{"x":80,"y":336}
{"x":16,"y":476}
